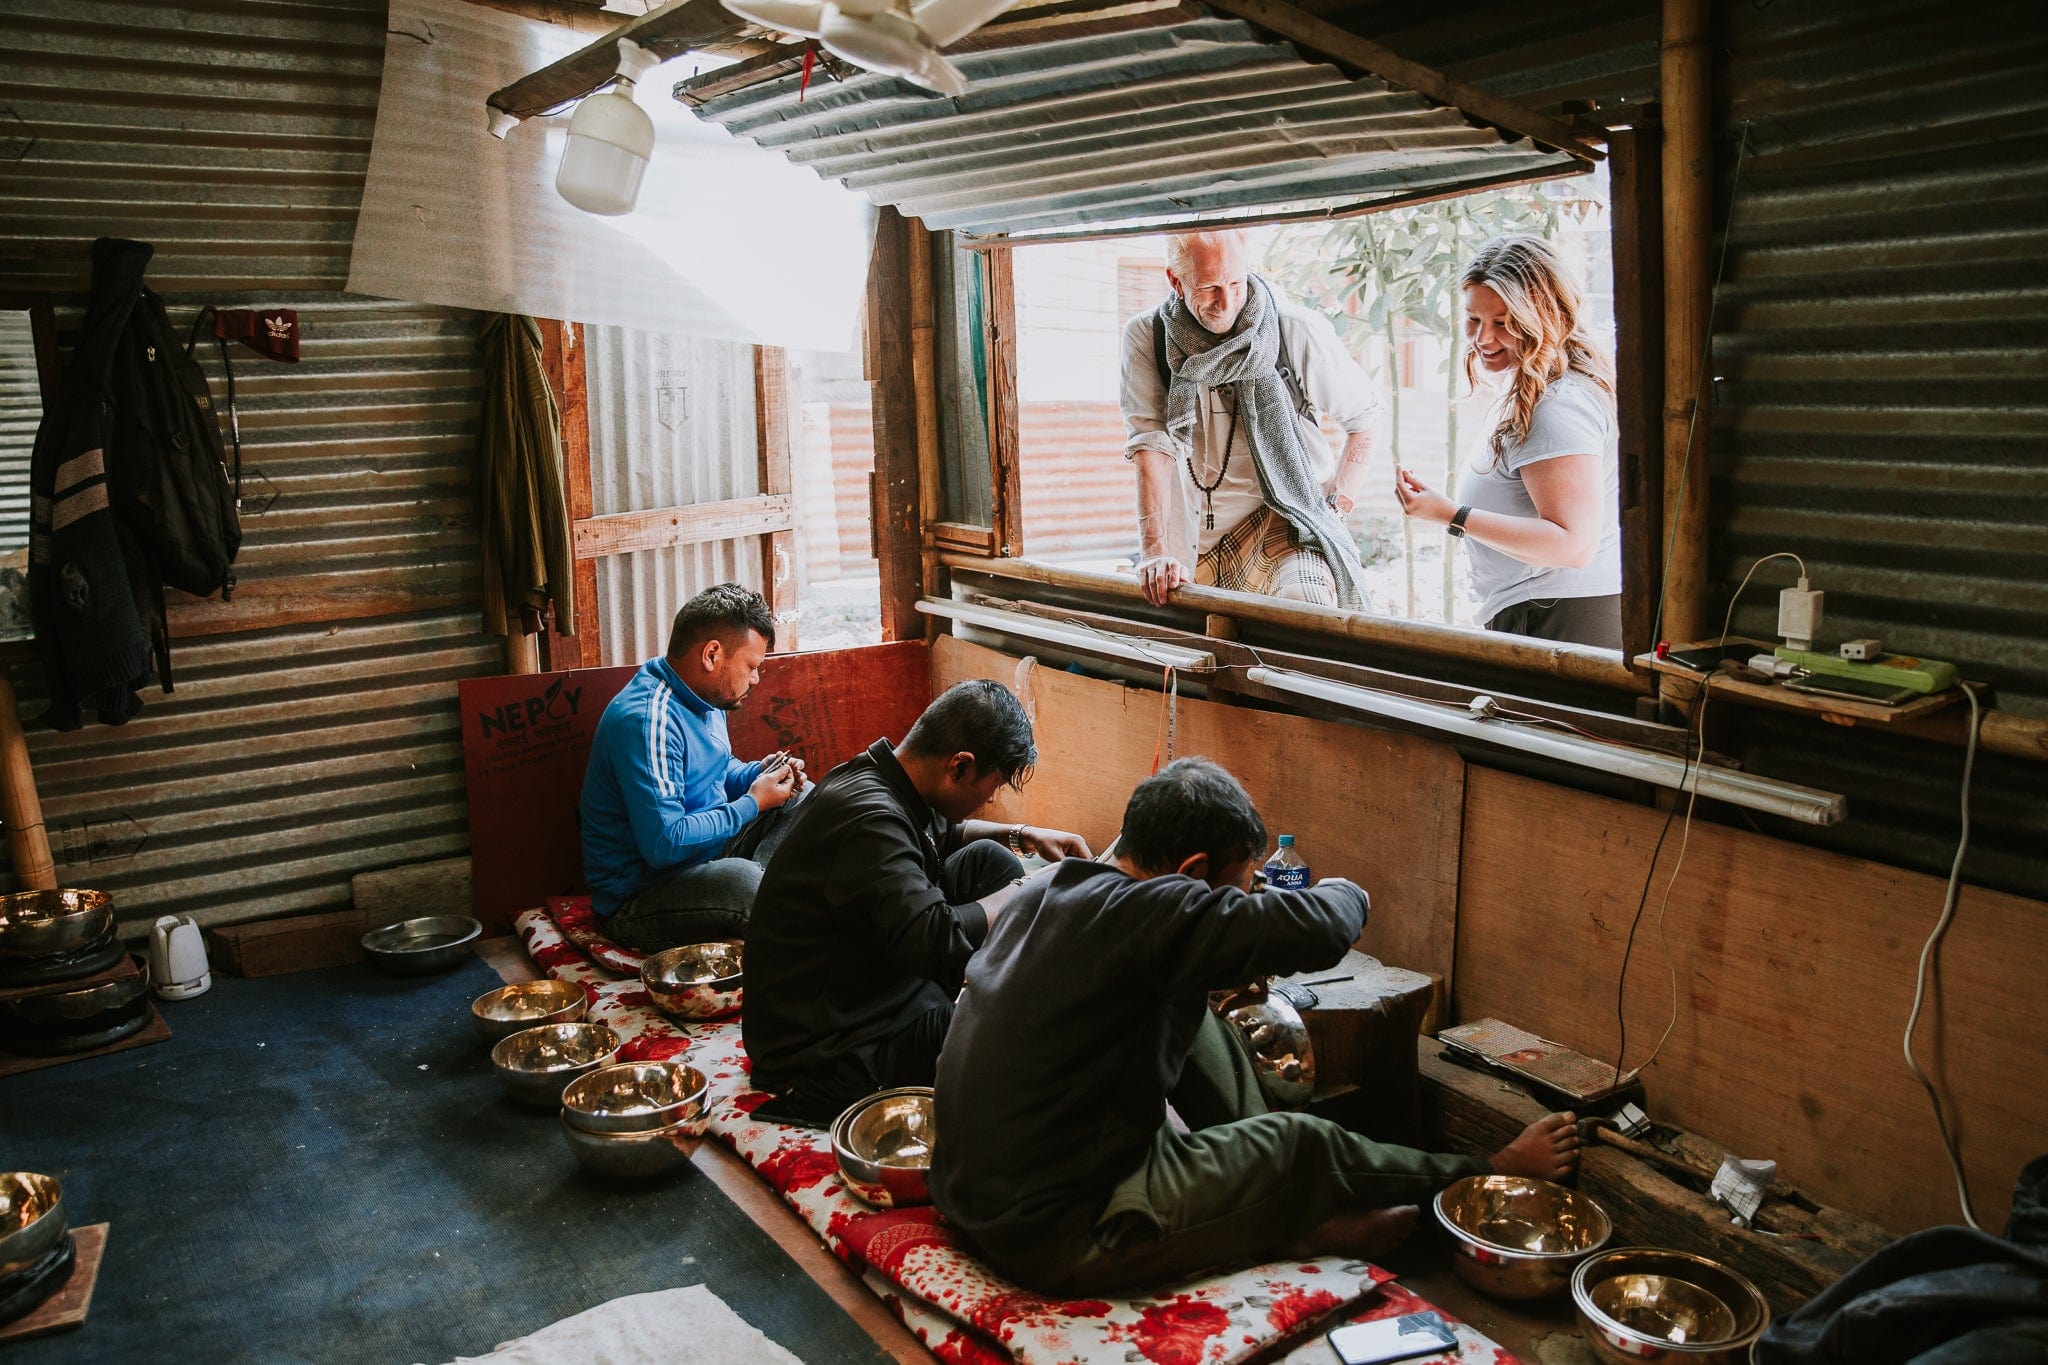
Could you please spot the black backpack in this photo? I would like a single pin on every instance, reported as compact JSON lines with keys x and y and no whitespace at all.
{"x":167,"y":468}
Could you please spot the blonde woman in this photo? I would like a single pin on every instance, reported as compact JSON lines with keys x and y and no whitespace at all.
{"x":1538,"y":506}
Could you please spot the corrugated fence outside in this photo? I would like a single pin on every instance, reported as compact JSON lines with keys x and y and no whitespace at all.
{"x":313,"y":732}
{"x":672,"y":422}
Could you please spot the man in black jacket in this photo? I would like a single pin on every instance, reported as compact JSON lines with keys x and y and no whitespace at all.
{"x":1087,"y":1009}
{"x":880,"y":891}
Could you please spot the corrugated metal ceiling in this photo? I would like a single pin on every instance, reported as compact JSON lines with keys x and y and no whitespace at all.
{"x":1162,"y":126}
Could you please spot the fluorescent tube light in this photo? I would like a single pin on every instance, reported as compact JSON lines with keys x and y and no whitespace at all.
{"x":1072,"y":636}
{"x":1805,"y":804}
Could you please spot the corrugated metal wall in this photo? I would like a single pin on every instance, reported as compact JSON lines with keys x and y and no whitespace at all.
{"x":315,"y":736}
{"x":21,"y":409}
{"x":672,"y":422}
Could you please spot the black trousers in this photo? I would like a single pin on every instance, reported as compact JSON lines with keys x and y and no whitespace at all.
{"x":1592,"y":621}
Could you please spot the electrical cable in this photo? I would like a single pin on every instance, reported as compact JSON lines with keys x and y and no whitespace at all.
{"x":1927,"y":952}
{"x":1706,"y":350}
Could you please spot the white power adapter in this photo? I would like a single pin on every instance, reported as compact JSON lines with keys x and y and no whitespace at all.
{"x":1799,"y":614}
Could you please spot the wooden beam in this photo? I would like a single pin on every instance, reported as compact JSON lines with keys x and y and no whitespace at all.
{"x":660,"y":528}
{"x":778,"y":549}
{"x":1006,"y":514}
{"x":1688,"y":174}
{"x":562,"y":359}
{"x":28,"y":842}
{"x":1573,"y":663}
{"x":1633,"y":191}
{"x":1299,"y":26}
{"x":677,"y":27}
{"x":895,"y":492}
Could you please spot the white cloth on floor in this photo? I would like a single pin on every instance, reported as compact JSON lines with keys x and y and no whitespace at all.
{"x":645,"y":1329}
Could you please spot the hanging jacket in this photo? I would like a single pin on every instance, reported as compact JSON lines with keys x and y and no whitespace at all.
{"x":89,"y":588}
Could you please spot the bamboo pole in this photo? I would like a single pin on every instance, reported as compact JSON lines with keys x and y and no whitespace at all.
{"x":1688,"y":237}
{"x":28,"y":843}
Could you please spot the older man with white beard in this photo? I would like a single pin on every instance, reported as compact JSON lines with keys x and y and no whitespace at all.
{"x":1222,"y":387}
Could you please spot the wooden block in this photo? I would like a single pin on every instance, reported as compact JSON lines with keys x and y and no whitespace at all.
{"x":1477,"y":1113}
{"x":69,"y":1305}
{"x":391,"y":894}
{"x":295,"y":943}
{"x":155,"y":1031}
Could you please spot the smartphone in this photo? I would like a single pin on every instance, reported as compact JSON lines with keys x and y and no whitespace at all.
{"x":1854,"y":689}
{"x":1402,"y":1338}
{"x":1709,"y":657}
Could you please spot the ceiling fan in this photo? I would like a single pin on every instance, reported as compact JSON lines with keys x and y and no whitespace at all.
{"x":893,"y":37}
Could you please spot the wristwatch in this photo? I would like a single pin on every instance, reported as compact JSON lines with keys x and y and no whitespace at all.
{"x":1457,"y":523}
{"x":1017,"y":840}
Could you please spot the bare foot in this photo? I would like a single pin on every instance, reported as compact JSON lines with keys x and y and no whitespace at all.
{"x":1362,"y":1234}
{"x":1547,"y":1149}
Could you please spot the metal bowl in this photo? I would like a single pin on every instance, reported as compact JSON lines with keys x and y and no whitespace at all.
{"x":62,"y":1007}
{"x":31,"y":1219}
{"x":633,"y":1156}
{"x":884,"y":1146}
{"x":695,"y":981}
{"x":637,"y":1097}
{"x":423,"y":946}
{"x":1276,"y":1036}
{"x":535,"y":1065}
{"x":524,"y":1005}
{"x":44,"y":923}
{"x":1640,"y":1304}
{"x":1518,"y":1238}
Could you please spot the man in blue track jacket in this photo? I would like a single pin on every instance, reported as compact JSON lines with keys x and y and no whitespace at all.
{"x":676,"y":829}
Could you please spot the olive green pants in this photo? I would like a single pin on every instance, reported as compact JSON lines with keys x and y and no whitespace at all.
{"x":1235,"y":1190}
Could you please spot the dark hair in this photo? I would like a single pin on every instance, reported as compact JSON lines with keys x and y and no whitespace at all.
{"x":977,"y":717}
{"x":1190,"y":806}
{"x":725,"y":611}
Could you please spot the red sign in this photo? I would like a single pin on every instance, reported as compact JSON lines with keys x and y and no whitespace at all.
{"x":526,"y":740}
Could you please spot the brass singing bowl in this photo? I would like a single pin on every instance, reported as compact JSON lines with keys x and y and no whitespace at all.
{"x":535,"y":1065}
{"x":1514,"y":1237}
{"x":637,"y":1097}
{"x":632,"y":1156}
{"x":31,"y":1219}
{"x":697,"y":981}
{"x":44,"y":923}
{"x":524,"y":1005}
{"x":1643,"y":1306}
{"x":1275,"y":1035}
{"x":884,"y":1146}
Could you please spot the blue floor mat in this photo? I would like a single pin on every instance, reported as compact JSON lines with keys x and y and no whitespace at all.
{"x":320,"y":1167}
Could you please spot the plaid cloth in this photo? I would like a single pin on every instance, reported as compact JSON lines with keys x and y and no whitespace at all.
{"x":1262,"y":555}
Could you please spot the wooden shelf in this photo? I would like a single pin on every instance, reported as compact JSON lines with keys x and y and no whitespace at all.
{"x":1834,"y":710}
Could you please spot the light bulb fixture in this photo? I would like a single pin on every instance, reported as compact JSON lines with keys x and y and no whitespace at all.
{"x":611,"y":140}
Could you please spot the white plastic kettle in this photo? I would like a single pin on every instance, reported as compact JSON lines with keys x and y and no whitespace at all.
{"x":177,"y":958}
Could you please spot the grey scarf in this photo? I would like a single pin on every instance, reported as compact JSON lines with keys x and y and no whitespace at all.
{"x":1249,"y":359}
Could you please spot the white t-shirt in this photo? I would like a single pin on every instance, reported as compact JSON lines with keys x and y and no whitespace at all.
{"x":1335,"y":384}
{"x":1575,"y":416}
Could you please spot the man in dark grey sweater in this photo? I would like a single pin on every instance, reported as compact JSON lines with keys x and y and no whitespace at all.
{"x":879,"y":892}
{"x":1087,"y":1010}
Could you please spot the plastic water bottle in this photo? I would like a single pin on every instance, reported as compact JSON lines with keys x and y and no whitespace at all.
{"x":1286,"y":870}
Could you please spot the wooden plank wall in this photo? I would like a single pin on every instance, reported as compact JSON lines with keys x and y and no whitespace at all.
{"x":1380,"y":808}
{"x":1795,"y":971}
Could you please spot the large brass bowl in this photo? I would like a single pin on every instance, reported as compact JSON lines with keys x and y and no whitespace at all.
{"x":1518,"y":1238}
{"x":632,"y":1156}
{"x":637,"y":1097}
{"x":43,"y":923}
{"x":884,"y":1146}
{"x":1643,"y":1306}
{"x":31,"y":1219}
{"x":525,"y":1005}
{"x":1276,"y":1037}
{"x":535,"y":1065}
{"x":697,"y":981}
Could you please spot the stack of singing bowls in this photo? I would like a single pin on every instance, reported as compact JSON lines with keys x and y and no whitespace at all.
{"x":53,"y":936}
{"x":36,"y":1253}
{"x":635,"y":1119}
